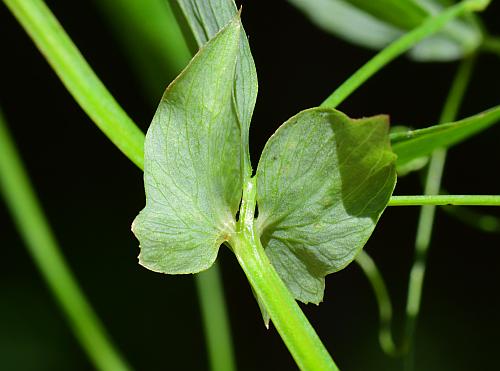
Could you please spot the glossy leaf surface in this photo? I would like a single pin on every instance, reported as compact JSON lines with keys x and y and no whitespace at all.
{"x":322,"y":182}
{"x":192,"y":163}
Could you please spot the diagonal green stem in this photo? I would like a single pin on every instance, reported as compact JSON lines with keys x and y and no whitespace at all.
{"x":398,"y":47}
{"x":293,"y":327}
{"x":35,"y":231}
{"x":78,"y":77}
{"x":97,"y":102}
{"x":427,"y":213}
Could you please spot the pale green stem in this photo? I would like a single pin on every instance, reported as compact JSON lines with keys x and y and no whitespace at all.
{"x":379,"y":61}
{"x":369,"y":267}
{"x":295,"y":330}
{"x":422,"y":243}
{"x":39,"y":239}
{"x":427,"y":213}
{"x":445,"y":200}
{"x":398,"y":47}
{"x":97,"y":102}
{"x":215,"y":320}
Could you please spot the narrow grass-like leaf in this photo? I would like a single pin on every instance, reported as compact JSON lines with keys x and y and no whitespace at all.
{"x":202,"y":19}
{"x":415,"y":144}
{"x":192,"y":163}
{"x":322,"y":182}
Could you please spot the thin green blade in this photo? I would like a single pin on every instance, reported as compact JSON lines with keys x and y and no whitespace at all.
{"x":416,"y":144}
{"x":192,"y":163}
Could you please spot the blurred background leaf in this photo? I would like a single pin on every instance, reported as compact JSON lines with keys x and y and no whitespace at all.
{"x":375,"y":24}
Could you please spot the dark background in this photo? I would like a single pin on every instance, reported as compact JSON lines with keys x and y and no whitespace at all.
{"x":91,"y":193}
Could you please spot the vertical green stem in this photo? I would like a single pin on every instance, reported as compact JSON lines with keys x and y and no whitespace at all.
{"x":215,"y":320}
{"x":35,"y":231}
{"x":426,"y":219}
{"x":294,"y":328}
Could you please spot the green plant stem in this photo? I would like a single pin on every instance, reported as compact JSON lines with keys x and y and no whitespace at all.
{"x":215,"y":320}
{"x":398,"y":47}
{"x":78,"y":77}
{"x":294,"y":328}
{"x":39,"y":239}
{"x":427,"y":213}
{"x":366,"y":263}
{"x":445,"y":200}
{"x":422,"y":243}
{"x":457,"y":90}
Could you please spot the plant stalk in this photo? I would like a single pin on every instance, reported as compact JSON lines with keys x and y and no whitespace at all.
{"x":427,"y":213}
{"x":292,"y":325}
{"x":215,"y":319}
{"x":445,"y":200}
{"x":398,"y":47}
{"x":43,"y":248}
